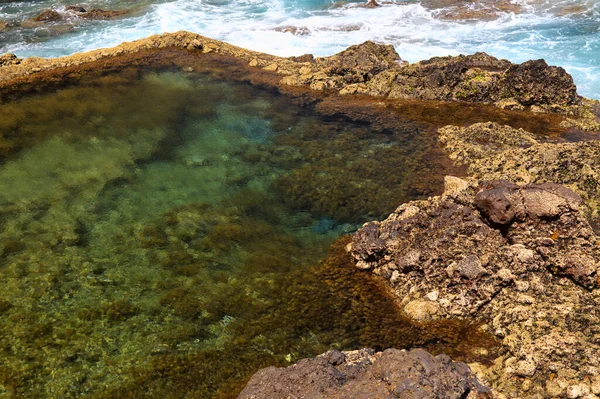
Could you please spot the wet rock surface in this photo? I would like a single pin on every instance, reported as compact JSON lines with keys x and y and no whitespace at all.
{"x":523,"y":258}
{"x":368,"y":374}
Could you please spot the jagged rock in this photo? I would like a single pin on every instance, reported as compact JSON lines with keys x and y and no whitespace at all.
{"x":392,"y":373}
{"x":522,"y":259}
{"x":483,"y":78}
{"x":48,"y":16}
{"x":534,"y":82}
{"x":9,"y":59}
{"x":103,"y":14}
{"x":377,"y":70}
{"x":495,"y":152}
{"x":75,"y":8}
{"x":356,"y":64}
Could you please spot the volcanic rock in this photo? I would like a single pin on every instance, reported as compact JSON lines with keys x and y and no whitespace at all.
{"x":390,"y":374}
{"x":523,"y":259}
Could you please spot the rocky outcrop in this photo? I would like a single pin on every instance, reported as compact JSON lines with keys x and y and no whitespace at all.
{"x":523,"y":259}
{"x":495,"y":152}
{"x":481,"y":140}
{"x":96,"y":13}
{"x":376,"y":70}
{"x":9,"y":59}
{"x":392,"y":373}
{"x":474,"y":78}
{"x":48,"y":16}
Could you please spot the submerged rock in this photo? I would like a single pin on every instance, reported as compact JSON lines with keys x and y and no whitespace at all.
{"x":368,"y":374}
{"x":521,"y":258}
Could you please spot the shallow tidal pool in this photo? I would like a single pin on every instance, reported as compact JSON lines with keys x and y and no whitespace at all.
{"x":164,"y":235}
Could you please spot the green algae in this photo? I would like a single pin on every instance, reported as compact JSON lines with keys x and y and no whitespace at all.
{"x":161,"y":236}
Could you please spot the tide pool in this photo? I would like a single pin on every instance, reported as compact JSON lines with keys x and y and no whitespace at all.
{"x":165,"y":234}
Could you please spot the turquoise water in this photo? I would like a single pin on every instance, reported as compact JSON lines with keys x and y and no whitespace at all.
{"x":565,"y":33}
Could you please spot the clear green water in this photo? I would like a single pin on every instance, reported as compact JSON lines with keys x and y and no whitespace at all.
{"x":163,"y":235}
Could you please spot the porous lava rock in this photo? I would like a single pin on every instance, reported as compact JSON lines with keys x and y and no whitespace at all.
{"x":494,"y":152}
{"x":522,"y":259}
{"x":472,"y":78}
{"x":393,"y":373}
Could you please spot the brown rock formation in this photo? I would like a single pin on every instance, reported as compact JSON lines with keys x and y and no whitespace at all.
{"x":103,"y":14}
{"x":366,"y":374}
{"x":48,"y":16}
{"x":375,"y":70}
{"x":9,"y":59}
{"x":522,"y":258}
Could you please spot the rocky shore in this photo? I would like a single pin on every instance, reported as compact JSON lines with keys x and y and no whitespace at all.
{"x":374,"y":70}
{"x":513,"y":246}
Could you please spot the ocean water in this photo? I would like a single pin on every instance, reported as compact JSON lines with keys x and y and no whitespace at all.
{"x":564,"y":32}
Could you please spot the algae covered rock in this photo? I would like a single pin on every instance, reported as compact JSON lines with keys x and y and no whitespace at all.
{"x":480,"y":140}
{"x":48,"y":16}
{"x":368,"y":374}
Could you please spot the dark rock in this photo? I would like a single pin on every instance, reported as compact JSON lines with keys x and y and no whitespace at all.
{"x":361,"y":62}
{"x":502,"y":202}
{"x":494,"y":202}
{"x":364,"y":374}
{"x":48,"y":16}
{"x":75,"y":8}
{"x":377,"y":70}
{"x":368,"y":245}
{"x":308,"y":378}
{"x":534,"y":82}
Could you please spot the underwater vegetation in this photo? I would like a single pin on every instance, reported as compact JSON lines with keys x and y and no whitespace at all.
{"x":164,"y":235}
